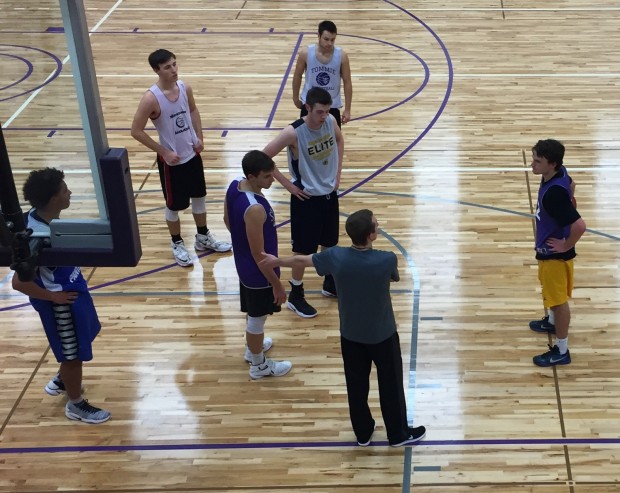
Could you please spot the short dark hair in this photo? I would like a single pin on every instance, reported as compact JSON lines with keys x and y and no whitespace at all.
{"x":256,"y":161}
{"x":328,"y":26}
{"x":41,"y":185}
{"x":160,"y":56}
{"x":552,"y":150}
{"x":318,"y":95}
{"x":359,"y":226}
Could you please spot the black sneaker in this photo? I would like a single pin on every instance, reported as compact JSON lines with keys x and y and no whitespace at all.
{"x":297,"y":302}
{"x":329,"y":287}
{"x":415,"y":435}
{"x":542,"y":325}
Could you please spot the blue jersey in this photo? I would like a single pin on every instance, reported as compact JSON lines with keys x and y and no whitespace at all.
{"x":237,"y":203}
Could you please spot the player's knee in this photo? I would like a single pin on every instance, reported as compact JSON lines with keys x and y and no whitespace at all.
{"x":171,"y":216}
{"x":199,"y":205}
{"x":256,"y":325}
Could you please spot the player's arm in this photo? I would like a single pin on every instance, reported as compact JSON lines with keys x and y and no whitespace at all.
{"x":195,"y":116}
{"x":345,"y":74}
{"x":300,"y":68}
{"x":33,"y":290}
{"x":255,"y":218}
{"x":340,"y":144}
{"x":271,"y":262}
{"x":285,"y":138}
{"x":147,"y":108}
{"x":561,"y":245}
{"x":226,"y":221}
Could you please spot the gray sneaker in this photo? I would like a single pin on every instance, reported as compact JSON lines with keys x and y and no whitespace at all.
{"x":181,"y":255}
{"x":83,"y":411}
{"x":209,"y":242}
{"x":270,"y":368}
{"x":267,"y":343}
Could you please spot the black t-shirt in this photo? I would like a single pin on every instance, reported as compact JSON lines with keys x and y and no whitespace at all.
{"x":559,"y":206}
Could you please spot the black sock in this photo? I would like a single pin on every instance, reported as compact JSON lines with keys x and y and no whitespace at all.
{"x":202,"y":230}
{"x":176,"y":238}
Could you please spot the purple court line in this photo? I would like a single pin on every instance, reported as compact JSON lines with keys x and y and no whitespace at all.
{"x":307,"y":445}
{"x":431,"y":124}
{"x":28,"y":72}
{"x":284,"y":80}
{"x":55,"y":74}
{"x":412,"y":95}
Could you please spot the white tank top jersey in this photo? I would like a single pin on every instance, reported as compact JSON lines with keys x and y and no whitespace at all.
{"x":174,"y":124}
{"x":323,"y":75}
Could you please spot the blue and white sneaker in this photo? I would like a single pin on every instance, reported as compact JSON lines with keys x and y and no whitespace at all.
{"x":542,"y":325}
{"x":552,"y":357}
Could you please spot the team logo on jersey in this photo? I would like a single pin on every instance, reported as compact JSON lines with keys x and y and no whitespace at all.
{"x":322,"y":78}
{"x":180,"y":121}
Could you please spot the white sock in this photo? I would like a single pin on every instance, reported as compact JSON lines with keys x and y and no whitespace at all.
{"x":77,"y":401}
{"x":562,"y":345}
{"x":551,"y":317}
{"x":295,"y":282}
{"x":257,"y":359}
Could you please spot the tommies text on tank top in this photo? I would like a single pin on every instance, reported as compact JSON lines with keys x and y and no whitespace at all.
{"x":174,"y":124}
{"x":316,"y":169}
{"x":323,"y":75}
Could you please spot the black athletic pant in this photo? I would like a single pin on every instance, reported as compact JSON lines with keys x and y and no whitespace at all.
{"x":386,"y":356}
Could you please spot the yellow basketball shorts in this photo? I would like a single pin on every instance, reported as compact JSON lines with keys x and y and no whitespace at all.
{"x":556,"y":279}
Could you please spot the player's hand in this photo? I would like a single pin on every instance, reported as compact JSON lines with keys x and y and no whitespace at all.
{"x":171,"y":157}
{"x":298,"y":103}
{"x":269,"y":261}
{"x":557,"y":245}
{"x":296,"y":191}
{"x":346,"y":117}
{"x":279,"y":295}
{"x":199,"y":147}
{"x":63,"y":297}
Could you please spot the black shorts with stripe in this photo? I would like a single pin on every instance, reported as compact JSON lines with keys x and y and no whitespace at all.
{"x":182,"y":182}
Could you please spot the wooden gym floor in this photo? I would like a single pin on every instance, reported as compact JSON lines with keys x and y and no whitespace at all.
{"x":448,"y":99}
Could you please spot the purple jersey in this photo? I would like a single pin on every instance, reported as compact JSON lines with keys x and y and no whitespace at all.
{"x":237,"y":203}
{"x":546,"y":225}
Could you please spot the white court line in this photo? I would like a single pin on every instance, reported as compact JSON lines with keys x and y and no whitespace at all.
{"x":381,"y":9}
{"x":376,"y":76}
{"x":430,"y":169}
{"x":36,"y":93}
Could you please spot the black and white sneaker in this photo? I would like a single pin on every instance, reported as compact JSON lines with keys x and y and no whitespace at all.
{"x":297,"y":302}
{"x":415,"y":435}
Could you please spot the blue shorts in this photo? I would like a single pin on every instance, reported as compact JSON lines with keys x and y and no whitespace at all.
{"x":70,"y":329}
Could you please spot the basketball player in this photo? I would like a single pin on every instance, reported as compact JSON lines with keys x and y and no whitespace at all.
{"x":558,"y":228}
{"x":170,"y":104}
{"x":60,"y":296}
{"x":324,"y":65}
{"x":252,"y":225}
{"x":315,"y":148}
{"x":367,"y":327}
